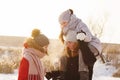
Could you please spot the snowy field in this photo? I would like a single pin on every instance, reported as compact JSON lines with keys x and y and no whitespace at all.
{"x":101,"y":72}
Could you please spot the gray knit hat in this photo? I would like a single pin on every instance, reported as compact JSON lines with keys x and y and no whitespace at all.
{"x":65,"y":16}
{"x":39,"y":38}
{"x":71,"y":36}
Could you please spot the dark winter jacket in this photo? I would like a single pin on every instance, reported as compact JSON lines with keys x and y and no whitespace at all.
{"x":72,"y":72}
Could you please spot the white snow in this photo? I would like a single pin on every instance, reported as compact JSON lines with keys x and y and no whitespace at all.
{"x":101,"y":72}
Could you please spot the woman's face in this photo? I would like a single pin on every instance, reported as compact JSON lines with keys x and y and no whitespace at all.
{"x":63,"y":24}
{"x":72,"y":45}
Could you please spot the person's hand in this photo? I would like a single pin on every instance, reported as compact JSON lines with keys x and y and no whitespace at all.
{"x":81,"y":36}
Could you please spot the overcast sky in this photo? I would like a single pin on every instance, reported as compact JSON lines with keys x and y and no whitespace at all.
{"x":19,"y":17}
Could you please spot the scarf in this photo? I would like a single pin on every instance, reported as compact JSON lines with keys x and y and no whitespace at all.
{"x":35,"y":65}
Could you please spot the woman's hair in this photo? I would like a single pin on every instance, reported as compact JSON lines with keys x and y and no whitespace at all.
{"x":61,"y":37}
{"x":67,"y":51}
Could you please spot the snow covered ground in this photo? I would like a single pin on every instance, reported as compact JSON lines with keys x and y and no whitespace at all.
{"x":101,"y":72}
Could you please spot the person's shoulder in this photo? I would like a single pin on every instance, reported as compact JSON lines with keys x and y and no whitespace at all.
{"x":82,"y":23}
{"x":27,"y":56}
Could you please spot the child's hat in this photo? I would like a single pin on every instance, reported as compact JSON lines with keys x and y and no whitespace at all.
{"x":39,"y":38}
{"x":65,"y":16}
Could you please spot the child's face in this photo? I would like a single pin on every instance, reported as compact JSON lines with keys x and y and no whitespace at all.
{"x":45,"y":48}
{"x":63,"y":24}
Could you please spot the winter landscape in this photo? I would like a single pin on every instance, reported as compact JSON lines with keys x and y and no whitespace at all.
{"x":101,"y":72}
{"x":19,"y":17}
{"x":10,"y":57}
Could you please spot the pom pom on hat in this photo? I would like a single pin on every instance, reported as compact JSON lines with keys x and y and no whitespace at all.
{"x":35,"y":32}
{"x":39,"y":38}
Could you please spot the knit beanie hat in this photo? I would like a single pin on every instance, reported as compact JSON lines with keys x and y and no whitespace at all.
{"x":65,"y":16}
{"x":37,"y":40}
{"x":71,"y":36}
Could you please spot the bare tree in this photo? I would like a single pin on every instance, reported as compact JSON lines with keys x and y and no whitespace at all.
{"x":97,"y":27}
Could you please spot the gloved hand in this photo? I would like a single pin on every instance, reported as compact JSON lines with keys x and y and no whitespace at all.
{"x":48,"y":75}
{"x":81,"y":36}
